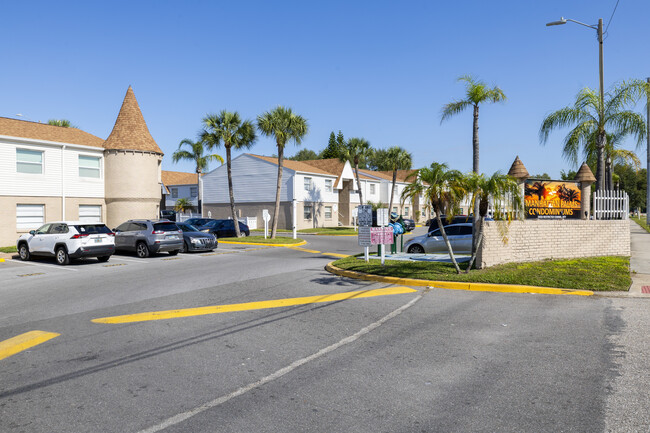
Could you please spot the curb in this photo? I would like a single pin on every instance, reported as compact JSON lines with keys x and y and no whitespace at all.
{"x":451,"y":285}
{"x":264,"y":245}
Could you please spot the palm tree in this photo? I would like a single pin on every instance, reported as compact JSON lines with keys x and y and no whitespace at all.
{"x":284,"y":125}
{"x":228,"y":128}
{"x":593,"y":122}
{"x":502,"y":189}
{"x":476,"y":93}
{"x":356,"y":150}
{"x":196,"y":154}
{"x":393,"y":159}
{"x":182,"y":204}
{"x":61,"y":122}
{"x":444,"y":189}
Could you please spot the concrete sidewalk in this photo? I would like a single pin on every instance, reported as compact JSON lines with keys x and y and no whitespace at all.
{"x":639,"y":259}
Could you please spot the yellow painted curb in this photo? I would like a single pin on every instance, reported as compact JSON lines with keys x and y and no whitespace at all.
{"x":453,"y":285}
{"x":266,"y":245}
{"x":2,"y":260}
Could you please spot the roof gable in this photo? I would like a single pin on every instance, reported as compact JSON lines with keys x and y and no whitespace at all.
{"x":179,"y":178}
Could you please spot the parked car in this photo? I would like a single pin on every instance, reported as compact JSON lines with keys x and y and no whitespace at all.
{"x":66,"y":240}
{"x":224,"y":228}
{"x":459,"y":235}
{"x":168,"y":214}
{"x":198,"y":222}
{"x":196,"y":240}
{"x":458,"y":219}
{"x":147,"y":237}
{"x":409,"y":224}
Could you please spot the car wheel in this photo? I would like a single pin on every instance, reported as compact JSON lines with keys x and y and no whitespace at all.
{"x":185,"y":248}
{"x":62,"y":257}
{"x":142,"y":250}
{"x":175,"y":252}
{"x":415,"y":249}
{"x":103,"y":259}
{"x":23,"y":252}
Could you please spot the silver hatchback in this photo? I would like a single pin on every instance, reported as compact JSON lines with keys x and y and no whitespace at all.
{"x":459,"y":235}
{"x":147,"y":237}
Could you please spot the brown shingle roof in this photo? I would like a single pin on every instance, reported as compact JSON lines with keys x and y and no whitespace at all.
{"x":41,"y":131}
{"x":179,"y":178}
{"x":518,"y":170}
{"x":585,"y":174}
{"x":130,"y":131}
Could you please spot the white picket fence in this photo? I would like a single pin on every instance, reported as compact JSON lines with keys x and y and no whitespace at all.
{"x":611,"y":205}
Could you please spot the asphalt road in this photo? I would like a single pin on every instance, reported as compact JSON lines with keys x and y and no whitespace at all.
{"x":421,"y":361}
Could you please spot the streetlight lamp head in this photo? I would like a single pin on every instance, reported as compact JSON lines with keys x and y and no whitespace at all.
{"x":556,"y":23}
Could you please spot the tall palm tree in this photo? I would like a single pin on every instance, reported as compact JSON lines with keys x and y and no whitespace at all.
{"x":197,"y":154}
{"x":284,"y":125}
{"x":476,"y":93}
{"x":500,"y":188}
{"x":393,"y":159}
{"x":444,"y":189}
{"x":228,"y":128}
{"x":592,"y":122}
{"x":356,"y":150}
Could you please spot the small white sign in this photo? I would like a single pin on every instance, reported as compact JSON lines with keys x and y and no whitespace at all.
{"x":209,"y":214}
{"x":365,"y":215}
{"x":265,"y":215}
{"x":364,"y":236}
{"x":382,"y":217}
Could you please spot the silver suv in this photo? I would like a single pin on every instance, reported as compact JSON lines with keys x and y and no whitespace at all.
{"x":67,"y":240}
{"x":147,"y":237}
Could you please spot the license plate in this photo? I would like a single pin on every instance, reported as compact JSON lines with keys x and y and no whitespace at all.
{"x":172,"y":237}
{"x":98,"y":240}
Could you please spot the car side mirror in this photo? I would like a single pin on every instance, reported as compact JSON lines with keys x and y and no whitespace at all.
{"x":32,"y":232}
{"x":115,"y":230}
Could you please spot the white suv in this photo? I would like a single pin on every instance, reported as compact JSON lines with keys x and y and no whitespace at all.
{"x":67,"y":240}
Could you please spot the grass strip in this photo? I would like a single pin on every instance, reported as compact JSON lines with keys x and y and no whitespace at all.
{"x":261,"y":240}
{"x":642,"y":222}
{"x":610,"y":273}
{"x":8,"y":250}
{"x":330,"y":231}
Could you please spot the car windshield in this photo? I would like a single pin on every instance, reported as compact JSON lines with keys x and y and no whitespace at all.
{"x":92,"y":228}
{"x":197,"y":221}
{"x":165,"y":227}
{"x":188,"y":228}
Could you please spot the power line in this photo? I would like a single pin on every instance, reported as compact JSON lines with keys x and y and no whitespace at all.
{"x":610,"y":18}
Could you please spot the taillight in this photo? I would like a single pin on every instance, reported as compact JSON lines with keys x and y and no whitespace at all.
{"x":157,"y":232}
{"x":79,"y":236}
{"x":111,"y":234}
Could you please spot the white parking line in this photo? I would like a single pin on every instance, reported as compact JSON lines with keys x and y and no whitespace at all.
{"x":63,"y":268}
{"x":114,"y":257}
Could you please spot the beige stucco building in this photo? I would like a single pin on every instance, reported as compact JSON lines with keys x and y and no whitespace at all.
{"x":50,"y":173}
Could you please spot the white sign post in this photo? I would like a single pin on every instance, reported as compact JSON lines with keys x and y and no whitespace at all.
{"x":266,"y":217}
{"x":382,"y":221}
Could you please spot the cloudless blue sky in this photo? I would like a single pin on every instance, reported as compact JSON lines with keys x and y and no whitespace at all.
{"x":374,"y":69}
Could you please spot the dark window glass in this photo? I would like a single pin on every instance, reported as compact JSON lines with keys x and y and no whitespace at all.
{"x":57,"y":229}
{"x":187,"y":228}
{"x":43,"y":229}
{"x":166,"y":227}
{"x":92,"y":228}
{"x":123,"y":227}
{"x":465,"y":230}
{"x":452,"y":231}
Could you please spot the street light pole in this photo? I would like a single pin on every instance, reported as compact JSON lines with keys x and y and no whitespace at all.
{"x":602,"y":137}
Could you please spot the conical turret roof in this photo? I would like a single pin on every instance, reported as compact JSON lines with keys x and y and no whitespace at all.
{"x":130,"y":131}
{"x":585,"y":174}
{"x":518,"y":170}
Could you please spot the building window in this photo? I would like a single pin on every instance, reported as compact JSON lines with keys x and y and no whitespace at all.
{"x":394,"y":209}
{"x":29,"y":216}
{"x":328,"y":185}
{"x":29,"y":161}
{"x":406,"y":211}
{"x":194,"y":191}
{"x":90,"y":213}
{"x":372,"y":188}
{"x":307,"y":183}
{"x":174,"y":192}
{"x":307,"y":211}
{"x":89,"y":166}
{"x":328,"y":212}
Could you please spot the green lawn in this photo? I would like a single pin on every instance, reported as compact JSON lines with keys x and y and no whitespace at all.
{"x":330,"y":231}
{"x":642,"y":222}
{"x":594,"y":273}
{"x":9,"y":250}
{"x":261,"y":240}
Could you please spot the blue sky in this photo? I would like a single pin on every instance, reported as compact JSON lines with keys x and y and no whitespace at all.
{"x":374,"y":69}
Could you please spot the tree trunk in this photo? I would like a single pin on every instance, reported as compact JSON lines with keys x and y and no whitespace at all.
{"x":475,"y":141}
{"x":600,"y":168}
{"x":199,"y":197}
{"x":356,"y":170}
{"x":392,"y":191}
{"x":232,"y":195}
{"x":444,"y":236}
{"x":477,"y":245}
{"x":274,"y":226}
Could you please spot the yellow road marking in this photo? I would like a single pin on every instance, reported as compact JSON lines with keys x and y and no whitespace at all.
{"x":336,"y":255}
{"x":305,"y":250}
{"x":31,"y":275}
{"x":24,"y":341}
{"x":216,"y":309}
